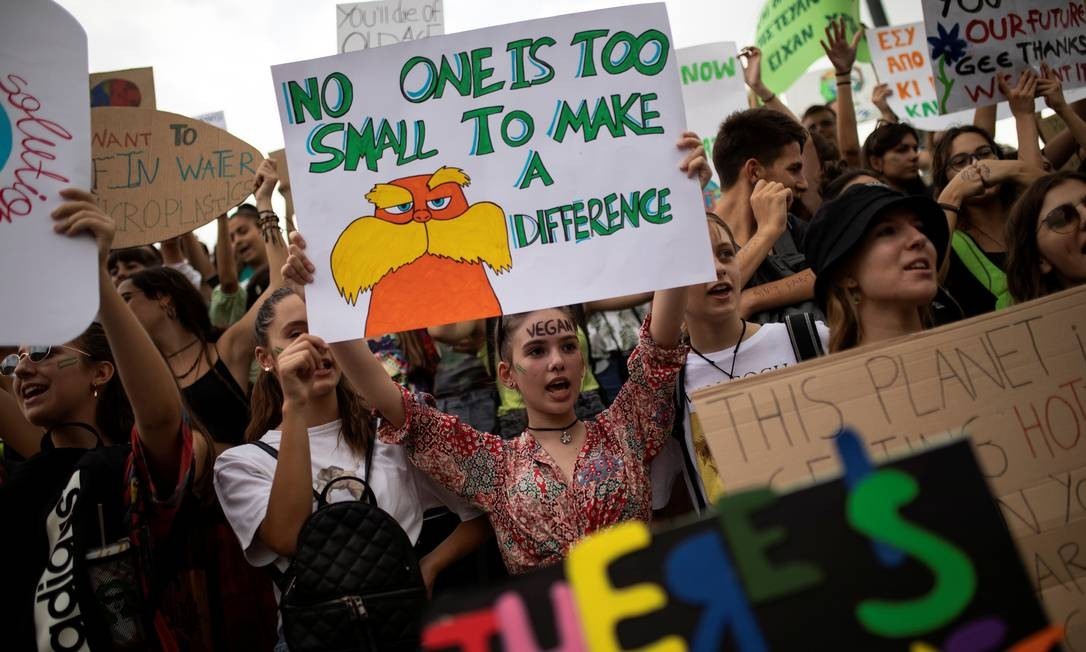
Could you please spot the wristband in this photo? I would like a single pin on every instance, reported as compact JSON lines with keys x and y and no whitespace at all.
{"x":772,"y":96}
{"x":950,"y":207}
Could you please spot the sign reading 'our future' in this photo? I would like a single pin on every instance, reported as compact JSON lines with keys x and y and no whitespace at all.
{"x":501,"y":170}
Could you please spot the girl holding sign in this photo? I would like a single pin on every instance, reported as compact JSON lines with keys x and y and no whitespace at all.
{"x":563,"y":478}
{"x":102,"y":489}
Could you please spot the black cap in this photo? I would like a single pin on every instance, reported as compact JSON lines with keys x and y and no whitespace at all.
{"x":840,"y":225}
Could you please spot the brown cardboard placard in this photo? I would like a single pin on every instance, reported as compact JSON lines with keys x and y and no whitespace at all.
{"x":1013,"y":380}
{"x":132,"y":88}
{"x":160,"y":174}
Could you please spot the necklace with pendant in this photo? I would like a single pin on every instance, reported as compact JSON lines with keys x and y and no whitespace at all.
{"x":567,"y":436}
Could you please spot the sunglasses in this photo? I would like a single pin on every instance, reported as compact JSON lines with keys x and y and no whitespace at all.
{"x":961,"y":160}
{"x":36,"y":354}
{"x":1063,"y":218}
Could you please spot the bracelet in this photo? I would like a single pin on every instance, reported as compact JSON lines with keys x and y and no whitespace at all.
{"x":772,"y":96}
{"x":950,"y":207}
{"x":847,"y":82}
{"x":269,"y":224}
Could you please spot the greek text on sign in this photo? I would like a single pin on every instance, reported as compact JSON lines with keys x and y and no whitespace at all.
{"x":160,"y":174}
{"x":463,"y":176}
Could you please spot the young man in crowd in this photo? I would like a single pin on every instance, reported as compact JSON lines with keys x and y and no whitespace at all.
{"x":822,"y":120}
{"x":758,"y":156}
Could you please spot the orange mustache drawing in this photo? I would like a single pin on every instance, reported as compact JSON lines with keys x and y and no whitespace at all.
{"x":421,"y":254}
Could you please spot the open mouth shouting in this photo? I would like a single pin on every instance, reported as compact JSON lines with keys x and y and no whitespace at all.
{"x":559,"y":389}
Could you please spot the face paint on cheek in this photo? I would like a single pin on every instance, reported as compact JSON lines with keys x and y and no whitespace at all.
{"x":66,"y":362}
{"x":277,"y":349}
{"x":516,"y":365}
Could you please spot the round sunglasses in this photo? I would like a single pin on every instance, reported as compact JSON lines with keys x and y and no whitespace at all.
{"x":1063,"y":218}
{"x":36,"y":354}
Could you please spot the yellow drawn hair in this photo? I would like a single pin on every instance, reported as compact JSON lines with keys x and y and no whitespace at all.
{"x":385,"y":195}
{"x":446,"y":174}
{"x":369,"y":248}
{"x":476,"y":236}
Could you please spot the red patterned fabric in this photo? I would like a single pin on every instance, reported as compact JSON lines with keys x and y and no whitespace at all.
{"x":535,"y":514}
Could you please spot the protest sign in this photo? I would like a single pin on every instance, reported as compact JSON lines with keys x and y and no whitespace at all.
{"x":788,"y":35}
{"x":161,"y":175}
{"x":820,"y":87}
{"x":445,"y":180}
{"x":1013,"y":380}
{"x":363,"y":25}
{"x":134,"y":88}
{"x":50,"y":293}
{"x":810,"y":570}
{"x":970,"y":42}
{"x":713,"y":89}
{"x":899,"y":54}
{"x":215,"y":119}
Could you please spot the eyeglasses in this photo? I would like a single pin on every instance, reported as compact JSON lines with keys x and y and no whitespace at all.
{"x":36,"y":354}
{"x":959,"y":161}
{"x":1063,"y":218}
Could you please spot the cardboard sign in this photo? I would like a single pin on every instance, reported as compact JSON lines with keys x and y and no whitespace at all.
{"x":363,"y":25}
{"x":909,"y":556}
{"x":713,"y":89}
{"x":970,"y":42}
{"x":161,"y":175}
{"x":500,"y":170}
{"x":820,"y":87}
{"x":788,"y":35}
{"x":899,"y":54}
{"x":51,"y":289}
{"x":1014,"y":380}
{"x":133,"y":88}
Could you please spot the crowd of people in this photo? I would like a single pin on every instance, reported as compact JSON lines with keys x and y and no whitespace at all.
{"x":160,"y":464}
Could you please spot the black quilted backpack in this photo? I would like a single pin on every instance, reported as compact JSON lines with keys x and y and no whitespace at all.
{"x":354,"y":582}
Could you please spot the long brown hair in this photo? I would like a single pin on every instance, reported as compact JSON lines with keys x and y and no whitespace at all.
{"x":267,"y":400}
{"x":842,"y":318}
{"x":1024,"y":278}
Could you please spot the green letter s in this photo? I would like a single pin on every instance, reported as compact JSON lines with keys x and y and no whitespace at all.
{"x":873,"y":510}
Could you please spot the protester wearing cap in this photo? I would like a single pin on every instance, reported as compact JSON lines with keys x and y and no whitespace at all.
{"x":875,"y":253}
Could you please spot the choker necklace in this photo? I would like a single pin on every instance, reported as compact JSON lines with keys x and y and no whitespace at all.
{"x":566,"y":437}
{"x":184,"y":348}
{"x":735,"y":354}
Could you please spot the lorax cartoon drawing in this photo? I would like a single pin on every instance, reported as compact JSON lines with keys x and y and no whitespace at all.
{"x":422,"y":253}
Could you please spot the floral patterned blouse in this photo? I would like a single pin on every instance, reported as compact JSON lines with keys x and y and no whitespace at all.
{"x":536,"y":515}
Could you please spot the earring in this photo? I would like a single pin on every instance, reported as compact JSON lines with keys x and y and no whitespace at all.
{"x":94,"y":390}
{"x":855,"y":297}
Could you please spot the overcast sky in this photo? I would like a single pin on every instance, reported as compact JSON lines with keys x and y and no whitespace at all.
{"x":212,"y":55}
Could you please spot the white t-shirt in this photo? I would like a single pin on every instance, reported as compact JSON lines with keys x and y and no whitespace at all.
{"x":243,"y":481}
{"x":767,"y":350}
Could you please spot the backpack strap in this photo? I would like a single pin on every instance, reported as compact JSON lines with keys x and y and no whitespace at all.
{"x":803,"y":334}
{"x":279,"y":577}
{"x":982,"y":268}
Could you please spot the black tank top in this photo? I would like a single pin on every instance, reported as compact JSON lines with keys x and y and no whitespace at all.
{"x":220,"y":404}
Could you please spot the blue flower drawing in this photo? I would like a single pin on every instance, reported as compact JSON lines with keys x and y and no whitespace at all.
{"x":947,"y":44}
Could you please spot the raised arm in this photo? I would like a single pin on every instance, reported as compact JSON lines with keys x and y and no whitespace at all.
{"x":1020,"y":97}
{"x":291,"y":500}
{"x":750,"y":58}
{"x":1050,"y":86}
{"x":238,"y":342}
{"x":225,"y":264}
{"x":156,"y":403}
{"x":985,"y":118}
{"x":769,"y":201}
{"x":197,"y":257}
{"x":880,"y":96}
{"x":841,"y":52}
{"x":789,"y":291}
